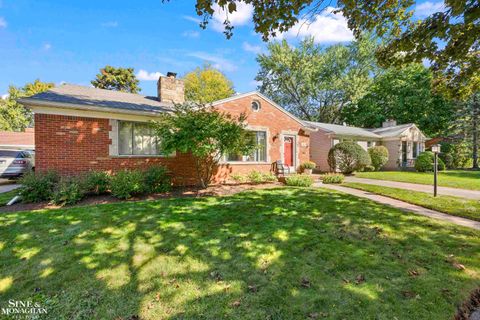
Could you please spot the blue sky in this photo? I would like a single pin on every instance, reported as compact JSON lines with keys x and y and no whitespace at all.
{"x":69,"y":41}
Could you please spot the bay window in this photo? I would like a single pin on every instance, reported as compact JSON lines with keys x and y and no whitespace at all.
{"x":137,"y":138}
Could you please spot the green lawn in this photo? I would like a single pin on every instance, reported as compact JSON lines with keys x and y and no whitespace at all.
{"x":462,"y":179}
{"x":286,"y":253}
{"x":7,"y":196}
{"x":452,"y":205}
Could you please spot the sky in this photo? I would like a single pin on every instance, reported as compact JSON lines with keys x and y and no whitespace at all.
{"x":69,"y":41}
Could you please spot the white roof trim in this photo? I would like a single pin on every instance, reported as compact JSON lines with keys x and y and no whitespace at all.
{"x":246,"y":94}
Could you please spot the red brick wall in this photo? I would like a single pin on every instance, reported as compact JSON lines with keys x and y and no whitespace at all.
{"x":72,"y":145}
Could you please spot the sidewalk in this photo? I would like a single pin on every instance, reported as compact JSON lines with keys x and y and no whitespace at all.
{"x":404,"y":206}
{"x":463,"y":193}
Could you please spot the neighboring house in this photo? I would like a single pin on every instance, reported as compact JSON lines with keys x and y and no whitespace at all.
{"x":24,"y":140}
{"x":81,"y":128}
{"x":404,"y":142}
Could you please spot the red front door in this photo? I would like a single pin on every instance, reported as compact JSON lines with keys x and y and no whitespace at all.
{"x":288,"y":151}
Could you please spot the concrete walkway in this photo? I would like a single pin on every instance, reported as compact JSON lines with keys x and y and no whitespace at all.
{"x":463,"y":193}
{"x":404,"y":206}
{"x":6,"y":185}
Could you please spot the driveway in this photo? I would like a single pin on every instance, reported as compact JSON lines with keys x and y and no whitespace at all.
{"x":463,"y":193}
{"x":7,"y":185}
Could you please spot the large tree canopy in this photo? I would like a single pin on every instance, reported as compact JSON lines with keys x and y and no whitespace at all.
{"x":119,"y":79}
{"x":449,"y":38}
{"x":315,"y":83}
{"x":14,"y":116}
{"x":207,"y":84}
{"x":405,"y":95}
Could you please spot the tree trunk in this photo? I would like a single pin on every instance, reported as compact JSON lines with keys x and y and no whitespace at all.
{"x":475,"y":116}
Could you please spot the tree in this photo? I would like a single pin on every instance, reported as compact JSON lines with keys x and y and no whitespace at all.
{"x":207,"y":84}
{"x":13,"y":115}
{"x":449,"y":38}
{"x":119,"y":79}
{"x":405,"y":95}
{"x":315,"y":83}
{"x":467,"y":124}
{"x":204,"y":132}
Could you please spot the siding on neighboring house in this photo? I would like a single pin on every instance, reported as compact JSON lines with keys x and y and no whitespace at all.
{"x":394,"y":148}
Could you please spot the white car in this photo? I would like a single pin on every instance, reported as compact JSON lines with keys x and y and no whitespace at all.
{"x":15,"y":163}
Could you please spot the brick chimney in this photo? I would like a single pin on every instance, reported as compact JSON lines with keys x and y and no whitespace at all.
{"x":171,"y":89}
{"x":389,"y":123}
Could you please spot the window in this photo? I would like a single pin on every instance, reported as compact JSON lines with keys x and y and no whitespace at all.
{"x":136,"y":138}
{"x":260,"y":152}
{"x":370,"y":144}
{"x":415,"y":150}
{"x":256,"y":106}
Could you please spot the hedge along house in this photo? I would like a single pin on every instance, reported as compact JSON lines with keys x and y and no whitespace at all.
{"x":80,"y":128}
{"x":404,"y":142}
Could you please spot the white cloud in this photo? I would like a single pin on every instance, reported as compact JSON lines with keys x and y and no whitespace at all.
{"x":110,"y":24}
{"x":425,"y":9}
{"x":46,"y":46}
{"x":193,"y":19}
{"x":191,"y":34}
{"x":4,"y":96}
{"x":217,"y":62}
{"x":241,"y":16}
{"x":251,"y":48}
{"x":326,"y":27}
{"x":148,"y":76}
{"x":3,"y":22}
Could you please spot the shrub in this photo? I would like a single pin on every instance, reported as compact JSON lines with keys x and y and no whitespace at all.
{"x":156,"y":179}
{"x":379,"y":156}
{"x":455,"y":155}
{"x":299,"y":180}
{"x":255,"y":176}
{"x":127,"y":183}
{"x":308,"y":165}
{"x":369,"y":169}
{"x":38,"y":186}
{"x":96,"y":182}
{"x":424,"y":162}
{"x":333,"y":178}
{"x":269,"y":177}
{"x":238,"y":178}
{"x":348,"y":156}
{"x":69,"y":190}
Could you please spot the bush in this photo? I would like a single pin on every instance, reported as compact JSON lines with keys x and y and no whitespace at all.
{"x":308,"y":165}
{"x":299,"y":180}
{"x":127,"y":183}
{"x":255,"y":176}
{"x":38,"y":186}
{"x":269,"y":177}
{"x":156,"y":180}
{"x":96,"y":182}
{"x":369,"y":169}
{"x":456,"y":155}
{"x":238,"y":178}
{"x":333,"y":178}
{"x":379,"y":156}
{"x":348,"y":156}
{"x":69,"y":190}
{"x":424,"y":162}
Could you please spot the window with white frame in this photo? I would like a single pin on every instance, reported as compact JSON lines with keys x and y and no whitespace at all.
{"x":260,"y":152}
{"x":415,"y":150}
{"x":137,"y":138}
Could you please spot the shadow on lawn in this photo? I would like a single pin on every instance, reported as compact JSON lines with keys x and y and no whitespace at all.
{"x":270,"y":254}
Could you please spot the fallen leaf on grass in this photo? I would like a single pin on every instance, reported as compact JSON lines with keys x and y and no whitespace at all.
{"x":360,"y":279}
{"x":305,"y":283}
{"x":413,"y":273}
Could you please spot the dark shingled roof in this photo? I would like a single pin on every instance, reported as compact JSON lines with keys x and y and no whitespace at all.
{"x":88,"y":96}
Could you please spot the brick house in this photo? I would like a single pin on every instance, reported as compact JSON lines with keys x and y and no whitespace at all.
{"x":404,"y":142}
{"x":81,"y":128}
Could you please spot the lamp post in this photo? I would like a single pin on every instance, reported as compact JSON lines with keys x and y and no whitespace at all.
{"x":436,"y":151}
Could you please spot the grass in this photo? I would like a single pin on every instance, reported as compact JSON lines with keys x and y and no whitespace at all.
{"x":462,"y":179}
{"x":452,"y":205}
{"x":7,"y":196}
{"x":286,"y":253}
